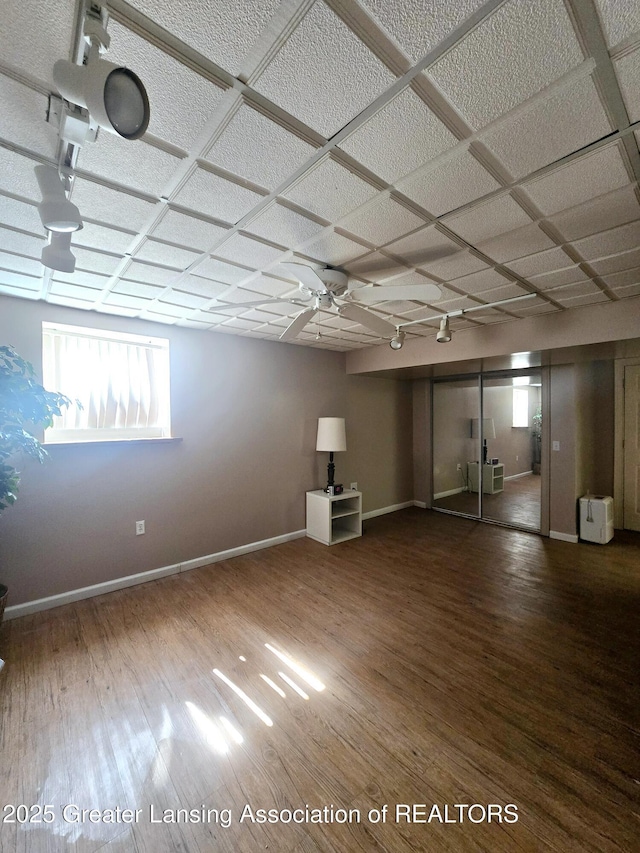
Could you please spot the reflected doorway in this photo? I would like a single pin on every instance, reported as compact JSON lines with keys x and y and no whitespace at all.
{"x":487,"y":439}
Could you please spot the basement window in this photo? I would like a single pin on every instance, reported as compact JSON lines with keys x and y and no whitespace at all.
{"x":520,"y":407}
{"x":121,"y":381}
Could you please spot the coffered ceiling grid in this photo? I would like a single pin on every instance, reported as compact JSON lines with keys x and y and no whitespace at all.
{"x":445,"y":152}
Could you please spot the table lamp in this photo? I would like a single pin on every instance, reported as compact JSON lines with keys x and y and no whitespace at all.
{"x":331,"y":437}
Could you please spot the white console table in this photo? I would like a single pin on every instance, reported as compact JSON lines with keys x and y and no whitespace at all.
{"x":334,"y":518}
{"x":492,"y":477}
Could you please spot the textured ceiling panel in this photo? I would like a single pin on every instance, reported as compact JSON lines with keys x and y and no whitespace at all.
{"x":550,"y":129}
{"x":23,"y":115}
{"x":18,"y":214}
{"x":283,"y":226}
{"x":82,"y":279}
{"x":455,"y":181}
{"x":399,"y":138}
{"x":479,"y":282}
{"x":102,"y":237}
{"x":382,"y":221}
{"x":514,"y":53}
{"x":137,"y":288}
{"x":110,"y":206}
{"x":139,"y":271}
{"x":174,"y":117}
{"x":137,"y":165}
{"x":628,"y":71}
{"x":221,"y":271}
{"x":541,"y":262}
{"x":610,"y":242}
{"x":463,"y":263}
{"x":203,"y":286}
{"x":251,"y":253}
{"x":330,"y":190}
{"x":428,"y":245}
{"x":23,"y":244}
{"x":18,"y":175}
{"x":18,"y":263}
{"x":191,"y":231}
{"x":49,"y":36}
{"x":490,"y":219}
{"x":307,"y":75}
{"x":214,"y":196}
{"x":558,"y":278}
{"x":584,"y":178}
{"x":620,"y":18}
{"x":507,"y":291}
{"x":609,"y":210}
{"x":334,"y":248}
{"x":96,"y":261}
{"x":20,"y":281}
{"x":516,"y":244}
{"x":223,"y":32}
{"x":623,"y":279}
{"x":258,"y":149}
{"x":418,"y":25}
{"x":162,"y":253}
{"x":616,"y":263}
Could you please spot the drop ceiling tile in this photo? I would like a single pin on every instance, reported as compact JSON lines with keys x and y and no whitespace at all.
{"x":220,"y":271}
{"x":50,"y":36}
{"x":258,"y":149}
{"x":629,"y":290}
{"x":82,"y":279}
{"x":330,"y":190}
{"x":134,"y":163}
{"x":98,"y":262}
{"x":617,"y":263}
{"x":174,"y":117}
{"x":239,"y":323}
{"x":609,"y":242}
{"x":281,"y":225}
{"x":24,"y":244}
{"x":154,"y":316}
{"x":452,"y":182}
{"x":69,"y":302}
{"x":21,"y":293}
{"x":20,"y":281}
{"x":375,"y":266}
{"x":463,"y":263}
{"x":111,"y":206}
{"x":587,"y":299}
{"x":511,"y":55}
{"x":417,"y":26}
{"x":489,"y":219}
{"x":516,"y":244}
{"x":203,"y":286}
{"x":138,"y":289}
{"x":307,"y":76}
{"x":207,"y":193}
{"x":584,"y":178}
{"x":623,"y":279}
{"x":399,"y":138}
{"x":163,"y":253}
{"x":18,"y":263}
{"x":552,"y":128}
{"x":613,"y":209}
{"x":19,"y":214}
{"x":479,"y":282}
{"x":169,"y":309}
{"x":620,"y":18}
{"x":541,"y":262}
{"x":17,"y":173}
{"x":533,"y":307}
{"x":75,"y":291}
{"x":456,"y":304}
{"x":249,"y":252}
{"x":184,"y":299}
{"x":269,"y":286}
{"x":95,"y":236}
{"x":424,"y":246}
{"x":334,"y":248}
{"x":190,"y":231}
{"x":559,"y":277}
{"x":225,"y":34}
{"x":628,"y":71}
{"x":382,"y":221}
{"x":508,"y":291}
{"x":139,"y":271}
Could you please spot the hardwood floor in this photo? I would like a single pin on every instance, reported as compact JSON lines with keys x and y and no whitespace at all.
{"x":462,"y":664}
{"x":517,"y":504}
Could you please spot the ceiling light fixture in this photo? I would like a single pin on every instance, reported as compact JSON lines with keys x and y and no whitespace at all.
{"x":114,"y":96}
{"x":56,"y":211}
{"x":57,"y":254}
{"x":397,"y":340}
{"x":444,"y":333}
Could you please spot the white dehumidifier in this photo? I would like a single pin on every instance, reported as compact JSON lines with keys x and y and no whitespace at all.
{"x":596,"y":519}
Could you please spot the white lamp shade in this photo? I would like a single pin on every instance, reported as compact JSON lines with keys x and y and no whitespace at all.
{"x":114,"y":95}
{"x":488,"y":428}
{"x":331,"y":434}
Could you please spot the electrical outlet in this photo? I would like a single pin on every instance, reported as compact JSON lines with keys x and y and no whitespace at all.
{"x":458,"y":467}
{"x":354,"y":487}
{"x":517,"y":458}
{"x":139,"y":528}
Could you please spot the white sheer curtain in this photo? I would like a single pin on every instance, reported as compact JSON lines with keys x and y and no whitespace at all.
{"x":123,"y":385}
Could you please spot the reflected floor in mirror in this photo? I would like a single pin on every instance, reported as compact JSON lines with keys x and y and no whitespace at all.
{"x":417,"y":689}
{"x":518,"y":504}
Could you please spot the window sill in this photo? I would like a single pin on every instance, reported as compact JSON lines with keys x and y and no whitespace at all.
{"x":111,"y":441}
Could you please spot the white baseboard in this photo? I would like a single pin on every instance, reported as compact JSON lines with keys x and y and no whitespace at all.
{"x":29,"y":607}
{"x":522,"y":474}
{"x":385,"y":509}
{"x":448,"y":494}
{"x":421,"y":504}
{"x":563,"y":537}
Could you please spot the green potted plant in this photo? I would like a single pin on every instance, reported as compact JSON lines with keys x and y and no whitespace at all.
{"x":23,"y":402}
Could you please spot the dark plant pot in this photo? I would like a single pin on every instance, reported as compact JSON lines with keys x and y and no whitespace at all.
{"x":4,"y":592}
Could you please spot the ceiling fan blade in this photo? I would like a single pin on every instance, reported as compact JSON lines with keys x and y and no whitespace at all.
{"x":298,"y":324}
{"x":426,"y":292}
{"x":305,"y":274}
{"x":366,"y":318}
{"x":221,"y":303}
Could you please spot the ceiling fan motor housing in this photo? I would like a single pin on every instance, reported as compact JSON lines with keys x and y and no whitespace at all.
{"x":335,"y":281}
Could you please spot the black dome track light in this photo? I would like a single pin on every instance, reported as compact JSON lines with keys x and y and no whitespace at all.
{"x":114,"y":96}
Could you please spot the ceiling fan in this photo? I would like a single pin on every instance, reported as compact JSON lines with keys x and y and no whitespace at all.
{"x":329,"y":289}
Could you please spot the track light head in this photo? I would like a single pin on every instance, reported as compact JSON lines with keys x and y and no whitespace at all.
{"x":397,"y":340}
{"x":56,"y":211}
{"x":115,"y":97}
{"x":444,"y":333}
{"x":57,"y":254}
